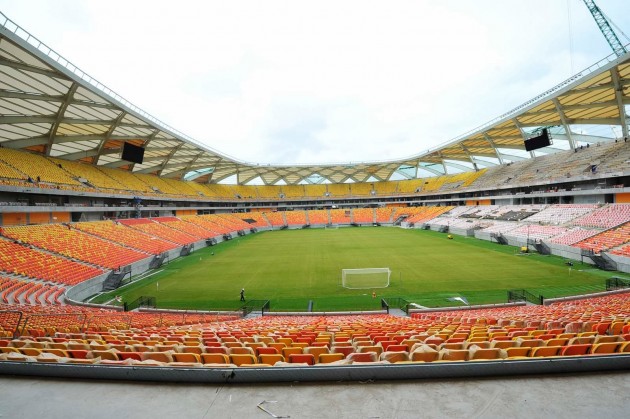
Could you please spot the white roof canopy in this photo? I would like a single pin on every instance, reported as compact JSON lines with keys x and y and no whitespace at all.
{"x":49,"y":106}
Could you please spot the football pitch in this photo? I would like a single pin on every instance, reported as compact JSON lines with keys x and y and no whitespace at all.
{"x":292,"y":267}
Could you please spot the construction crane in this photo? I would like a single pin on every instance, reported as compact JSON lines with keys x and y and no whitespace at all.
{"x":605,"y":28}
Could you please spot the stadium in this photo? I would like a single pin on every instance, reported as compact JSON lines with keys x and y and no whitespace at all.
{"x":130,"y":251}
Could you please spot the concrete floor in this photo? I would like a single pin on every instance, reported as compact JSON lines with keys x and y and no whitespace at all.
{"x":602,"y":395}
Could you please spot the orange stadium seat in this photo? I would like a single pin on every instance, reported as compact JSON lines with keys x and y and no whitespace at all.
{"x":318,"y":217}
{"x":363,"y":215}
{"x":72,"y":243}
{"x":122,"y":234}
{"x":295,"y":218}
{"x":275,"y":218}
{"x":340,"y":216}
{"x":160,"y":230}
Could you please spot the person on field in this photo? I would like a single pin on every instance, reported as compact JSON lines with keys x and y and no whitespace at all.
{"x":242,"y":294}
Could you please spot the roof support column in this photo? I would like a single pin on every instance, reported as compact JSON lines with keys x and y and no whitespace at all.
{"x":170,"y":155}
{"x":619,"y":98}
{"x":494,"y":147}
{"x":146,"y":143}
{"x":101,"y":147}
{"x":520,"y":128}
{"x":190,"y":165}
{"x":60,"y":113}
{"x":469,"y":156}
{"x":563,"y":118}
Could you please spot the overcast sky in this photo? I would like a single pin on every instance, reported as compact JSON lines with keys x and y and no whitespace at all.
{"x":292,"y":81}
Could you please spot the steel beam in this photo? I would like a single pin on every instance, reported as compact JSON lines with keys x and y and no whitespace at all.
{"x":620,"y":101}
{"x":563,"y":118}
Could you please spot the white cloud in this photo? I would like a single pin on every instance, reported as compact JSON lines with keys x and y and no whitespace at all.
{"x":310,"y":82}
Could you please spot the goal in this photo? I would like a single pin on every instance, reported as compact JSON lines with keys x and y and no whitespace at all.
{"x":365,"y":278}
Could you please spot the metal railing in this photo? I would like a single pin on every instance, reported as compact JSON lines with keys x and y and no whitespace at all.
{"x":255,"y":305}
{"x":10,"y":320}
{"x":20,"y":324}
{"x":399,"y":303}
{"x":615,"y":283}
{"x":34,"y":322}
{"x":142,"y":301}
{"x":524,"y":295}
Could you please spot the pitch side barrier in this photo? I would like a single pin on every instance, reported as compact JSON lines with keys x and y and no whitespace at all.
{"x":93,"y":305}
{"x":549,"y":301}
{"x":324,"y":313}
{"x":465,"y":308}
{"x":546,"y":302}
{"x":324,"y":372}
{"x":214,"y":316}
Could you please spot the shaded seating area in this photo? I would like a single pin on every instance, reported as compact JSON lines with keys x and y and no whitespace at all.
{"x":34,"y":169}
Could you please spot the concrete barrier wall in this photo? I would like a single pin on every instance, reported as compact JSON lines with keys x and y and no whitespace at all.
{"x":568,"y":252}
{"x":483,"y":236}
{"x":95,"y":285}
{"x":87,"y":288}
{"x":174,"y":253}
{"x":515,"y":241}
{"x":332,"y":373}
{"x":461,"y":231}
{"x":465,"y":308}
{"x":200,"y":244}
{"x":322,"y":313}
{"x":623,"y":263}
{"x":549,"y":301}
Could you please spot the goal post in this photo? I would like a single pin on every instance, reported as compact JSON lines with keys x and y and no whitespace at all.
{"x":365,"y":278}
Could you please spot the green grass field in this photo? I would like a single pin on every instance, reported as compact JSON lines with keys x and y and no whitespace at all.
{"x":291,"y":267}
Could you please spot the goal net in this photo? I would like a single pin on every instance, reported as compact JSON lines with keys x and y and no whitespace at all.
{"x":365,"y":278}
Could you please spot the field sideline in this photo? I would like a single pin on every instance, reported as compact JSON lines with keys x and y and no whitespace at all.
{"x":291,"y":267}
